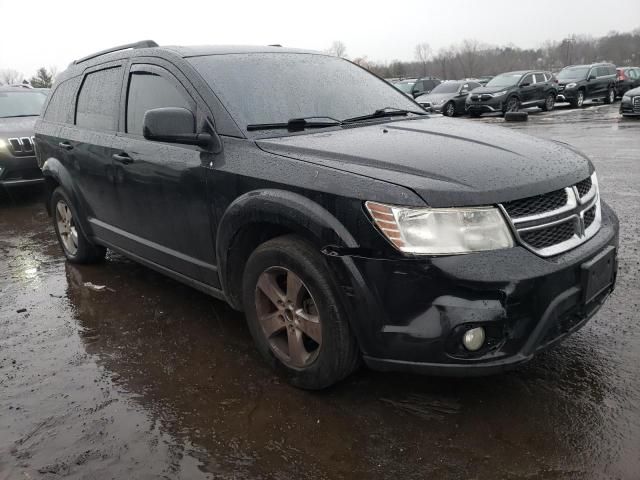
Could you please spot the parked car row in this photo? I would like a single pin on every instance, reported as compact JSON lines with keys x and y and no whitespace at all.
{"x":511,"y":91}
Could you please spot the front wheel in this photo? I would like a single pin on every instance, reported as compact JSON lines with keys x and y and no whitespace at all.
{"x":75,"y":246}
{"x":611,"y":96}
{"x":549,"y":103}
{"x":449,"y":110}
{"x":295,"y":315}
{"x":579,"y":100}
{"x":512,"y":105}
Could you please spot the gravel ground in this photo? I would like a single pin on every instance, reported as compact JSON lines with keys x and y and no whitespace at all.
{"x":148,"y":378}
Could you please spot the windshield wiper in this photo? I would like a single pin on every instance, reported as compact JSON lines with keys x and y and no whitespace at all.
{"x":18,"y":116}
{"x":382,"y":113}
{"x":297,"y":124}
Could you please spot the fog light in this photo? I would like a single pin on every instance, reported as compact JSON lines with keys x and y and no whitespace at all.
{"x":473,"y":339}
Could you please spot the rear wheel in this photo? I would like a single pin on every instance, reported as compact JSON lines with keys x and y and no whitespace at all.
{"x":295,"y":315}
{"x":611,"y":96}
{"x":75,"y":245}
{"x":549,"y":102}
{"x":512,"y":105}
{"x":449,"y":110}
{"x":579,"y":100}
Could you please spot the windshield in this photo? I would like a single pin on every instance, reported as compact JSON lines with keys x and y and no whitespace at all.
{"x":573,"y":73}
{"x":447,"y":87}
{"x":404,"y":86}
{"x":21,"y":103}
{"x":261,"y":88}
{"x":504,"y":80}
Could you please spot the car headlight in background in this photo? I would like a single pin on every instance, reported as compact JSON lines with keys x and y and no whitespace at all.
{"x":440,"y":102}
{"x":441,"y":231}
{"x":499,"y":94}
{"x":625,"y":98}
{"x":3,"y":144}
{"x":571,"y":85}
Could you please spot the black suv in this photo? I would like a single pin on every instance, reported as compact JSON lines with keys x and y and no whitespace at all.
{"x":19,"y":109}
{"x":414,"y":88}
{"x":508,"y":92}
{"x":578,"y":83}
{"x":310,"y":200}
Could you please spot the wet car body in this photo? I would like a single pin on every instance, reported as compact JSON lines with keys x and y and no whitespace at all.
{"x":628,"y":79}
{"x":630,"y":104}
{"x":198,"y":217}
{"x":18,"y":165}
{"x":531,"y":89}
{"x":450,"y":103}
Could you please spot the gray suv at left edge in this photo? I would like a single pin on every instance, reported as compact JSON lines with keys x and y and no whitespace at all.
{"x":19,"y":109}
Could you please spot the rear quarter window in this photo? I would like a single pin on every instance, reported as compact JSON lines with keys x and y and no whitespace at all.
{"x":98,"y":99}
{"x":60,"y":108}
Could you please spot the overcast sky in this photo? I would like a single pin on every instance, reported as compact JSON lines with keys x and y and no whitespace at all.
{"x":54,"y":32}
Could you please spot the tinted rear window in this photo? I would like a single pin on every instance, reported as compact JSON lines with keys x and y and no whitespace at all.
{"x":60,"y":108}
{"x":98,"y":100}
{"x":275,"y":87}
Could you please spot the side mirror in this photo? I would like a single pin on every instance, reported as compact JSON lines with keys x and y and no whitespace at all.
{"x":416,"y":93}
{"x":524,"y":84}
{"x":591,"y":77}
{"x":464,"y":92}
{"x":173,"y":125}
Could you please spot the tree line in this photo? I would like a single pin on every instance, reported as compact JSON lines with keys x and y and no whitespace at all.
{"x":471,"y":58}
{"x":43,"y":78}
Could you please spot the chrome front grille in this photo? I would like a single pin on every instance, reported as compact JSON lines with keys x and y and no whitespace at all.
{"x":636,"y":104}
{"x":558,"y":221}
{"x":23,"y":146}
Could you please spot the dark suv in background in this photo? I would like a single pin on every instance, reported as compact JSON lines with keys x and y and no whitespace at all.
{"x":628,"y":79}
{"x":19,"y":108}
{"x":579,"y":83}
{"x":342,"y":219}
{"x":508,"y":92}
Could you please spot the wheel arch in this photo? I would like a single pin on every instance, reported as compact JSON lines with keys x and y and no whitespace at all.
{"x":258,"y":216}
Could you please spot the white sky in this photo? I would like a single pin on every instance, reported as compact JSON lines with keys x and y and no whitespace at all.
{"x":54,"y":32}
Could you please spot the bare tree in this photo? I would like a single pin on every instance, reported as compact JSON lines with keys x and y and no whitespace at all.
{"x":468,"y":56}
{"x":9,"y":76}
{"x":422,"y":54}
{"x":363,"y":61}
{"x":338,"y":49}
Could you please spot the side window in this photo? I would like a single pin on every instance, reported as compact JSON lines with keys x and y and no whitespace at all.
{"x":592,"y":73}
{"x":98,"y":100}
{"x":418,"y":86}
{"x":60,"y":108}
{"x":540,"y":78}
{"x":633,"y":73}
{"x":147,"y":91}
{"x":528,"y":79}
{"x":603,"y":71}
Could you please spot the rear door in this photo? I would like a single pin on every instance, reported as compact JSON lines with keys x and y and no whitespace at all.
{"x":162,"y":186}
{"x":87,"y":142}
{"x":542,"y":85}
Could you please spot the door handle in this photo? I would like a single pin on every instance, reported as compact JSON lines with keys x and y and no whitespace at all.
{"x":65,"y":145}
{"x":123,"y":158}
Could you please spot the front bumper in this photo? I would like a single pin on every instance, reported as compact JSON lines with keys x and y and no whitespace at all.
{"x":19,"y":171}
{"x":410,"y":314}
{"x":495,"y":104}
{"x":566,"y":94}
{"x":628,"y":108}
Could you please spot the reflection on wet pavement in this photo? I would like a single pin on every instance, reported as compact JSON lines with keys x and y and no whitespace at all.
{"x":149,"y":378}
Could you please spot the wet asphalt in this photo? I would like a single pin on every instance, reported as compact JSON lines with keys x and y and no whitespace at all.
{"x":148,"y":378}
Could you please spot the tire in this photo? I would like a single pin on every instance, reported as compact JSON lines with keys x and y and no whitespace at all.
{"x":512,"y":105}
{"x":449,"y":110}
{"x":75,"y":246}
{"x":578,"y":102}
{"x":611,"y":96}
{"x":549,"y":103}
{"x":301,"y":292}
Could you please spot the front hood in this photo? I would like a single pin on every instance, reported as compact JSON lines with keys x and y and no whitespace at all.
{"x":633,"y":92}
{"x":481,"y":90}
{"x":434,"y":98}
{"x":17,"y":127}
{"x":448,"y":162}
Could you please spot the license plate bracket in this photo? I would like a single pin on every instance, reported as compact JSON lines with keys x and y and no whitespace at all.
{"x":597,"y":274}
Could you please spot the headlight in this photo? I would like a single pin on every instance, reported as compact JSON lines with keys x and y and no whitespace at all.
{"x":625,"y":98}
{"x":441,"y":231}
{"x":571,"y":85}
{"x":442,"y":101}
{"x":3,"y":144}
{"x":499,"y":94}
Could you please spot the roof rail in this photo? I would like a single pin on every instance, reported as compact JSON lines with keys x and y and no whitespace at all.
{"x":141,"y":44}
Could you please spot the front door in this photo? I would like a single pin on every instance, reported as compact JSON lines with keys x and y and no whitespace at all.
{"x":527,"y":89}
{"x":161,"y":187}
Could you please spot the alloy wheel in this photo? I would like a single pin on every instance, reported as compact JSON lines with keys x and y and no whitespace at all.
{"x":512,"y":105}
{"x":66,"y":227}
{"x":550,"y":102}
{"x":580,"y":98}
{"x":450,"y":110}
{"x":612,"y":96}
{"x":289,"y":317}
